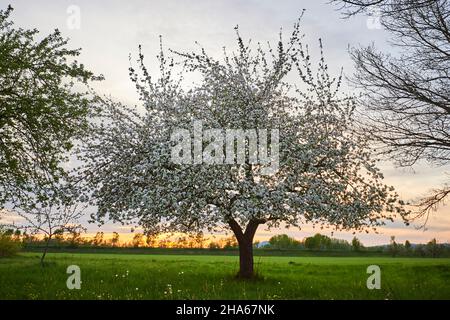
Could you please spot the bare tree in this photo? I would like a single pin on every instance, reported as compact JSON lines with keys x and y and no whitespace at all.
{"x":55,"y":214}
{"x":115,"y":239}
{"x":98,"y":239}
{"x":385,"y":7}
{"x":407,"y":97}
{"x":138,"y":240}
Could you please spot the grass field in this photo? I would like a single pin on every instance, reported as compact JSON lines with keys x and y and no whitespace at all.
{"x":128,"y":276}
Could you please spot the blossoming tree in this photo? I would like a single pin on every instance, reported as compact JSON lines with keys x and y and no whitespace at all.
{"x":325,"y":172}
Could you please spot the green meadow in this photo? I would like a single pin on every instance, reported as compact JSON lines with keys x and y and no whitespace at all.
{"x":158,"y":276}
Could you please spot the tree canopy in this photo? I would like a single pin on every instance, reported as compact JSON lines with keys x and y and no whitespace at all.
{"x":326,"y":175}
{"x":43,"y":106}
{"x":283,"y":241}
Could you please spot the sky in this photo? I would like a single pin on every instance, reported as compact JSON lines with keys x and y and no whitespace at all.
{"x":109,"y":31}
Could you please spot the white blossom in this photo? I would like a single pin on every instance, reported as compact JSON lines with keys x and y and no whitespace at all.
{"x":326,"y":174}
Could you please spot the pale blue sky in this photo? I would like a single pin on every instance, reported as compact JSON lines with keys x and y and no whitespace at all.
{"x":110,"y":30}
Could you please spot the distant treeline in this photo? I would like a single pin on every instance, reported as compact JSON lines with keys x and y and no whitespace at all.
{"x":320,"y":242}
{"x":281,"y":244}
{"x":76,"y":240}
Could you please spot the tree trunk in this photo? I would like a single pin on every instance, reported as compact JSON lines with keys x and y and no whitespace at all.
{"x":246,"y":259}
{"x":45,"y":251}
{"x":245,"y":241}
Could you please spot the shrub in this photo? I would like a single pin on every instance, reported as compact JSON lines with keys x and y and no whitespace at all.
{"x":8,"y":245}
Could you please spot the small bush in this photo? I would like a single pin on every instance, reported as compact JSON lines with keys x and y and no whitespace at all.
{"x":8,"y":246}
